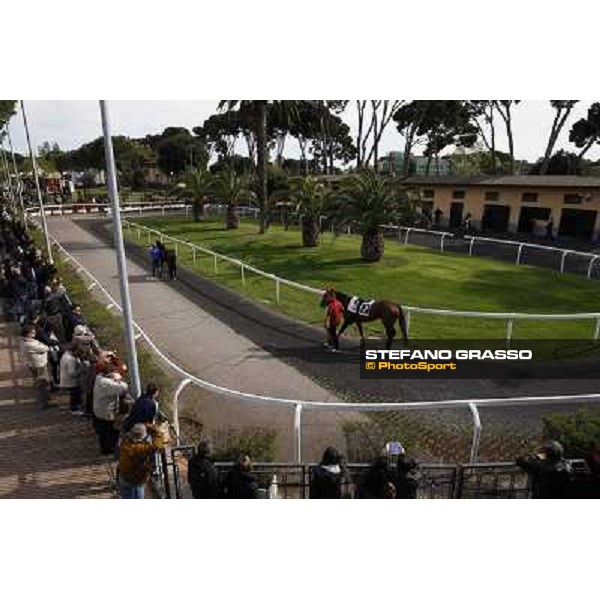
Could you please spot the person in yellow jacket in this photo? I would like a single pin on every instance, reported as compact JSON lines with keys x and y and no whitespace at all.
{"x":135,"y":462}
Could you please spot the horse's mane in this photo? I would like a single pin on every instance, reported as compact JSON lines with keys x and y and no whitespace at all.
{"x":343,"y":297}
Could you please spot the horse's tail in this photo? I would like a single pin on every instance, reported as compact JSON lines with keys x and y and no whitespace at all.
{"x":403,"y":324}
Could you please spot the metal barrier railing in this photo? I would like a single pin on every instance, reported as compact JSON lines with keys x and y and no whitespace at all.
{"x":508,"y":317}
{"x":518,"y":245}
{"x":293,"y":479}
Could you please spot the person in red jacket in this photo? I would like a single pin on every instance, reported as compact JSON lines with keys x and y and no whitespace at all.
{"x":333,"y":319}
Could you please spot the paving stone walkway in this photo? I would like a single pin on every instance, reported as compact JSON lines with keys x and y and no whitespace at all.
{"x":43,"y":453}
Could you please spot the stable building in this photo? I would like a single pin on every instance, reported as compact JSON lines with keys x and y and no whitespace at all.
{"x":515,"y":204}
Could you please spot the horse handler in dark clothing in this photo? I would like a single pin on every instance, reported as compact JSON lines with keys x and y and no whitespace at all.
{"x":202,"y":474}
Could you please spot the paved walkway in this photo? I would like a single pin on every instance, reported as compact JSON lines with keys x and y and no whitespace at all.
{"x":43,"y":454}
{"x":208,"y":347}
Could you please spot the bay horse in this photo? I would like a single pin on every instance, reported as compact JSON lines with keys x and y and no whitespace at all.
{"x":385,"y":310}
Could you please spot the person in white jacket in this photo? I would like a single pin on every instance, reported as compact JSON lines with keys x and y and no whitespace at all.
{"x":108,"y":388}
{"x":70,"y":371}
{"x":36,"y":358}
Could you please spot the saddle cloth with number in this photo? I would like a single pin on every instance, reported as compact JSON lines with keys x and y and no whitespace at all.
{"x":360,"y":307}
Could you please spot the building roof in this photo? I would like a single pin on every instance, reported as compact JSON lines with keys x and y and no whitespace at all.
{"x":537,"y":181}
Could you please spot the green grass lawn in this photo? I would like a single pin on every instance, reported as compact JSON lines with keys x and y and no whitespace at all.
{"x":409,"y":275}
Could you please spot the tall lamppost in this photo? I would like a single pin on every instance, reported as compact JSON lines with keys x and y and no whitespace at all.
{"x":113,"y":193}
{"x":37,"y":185}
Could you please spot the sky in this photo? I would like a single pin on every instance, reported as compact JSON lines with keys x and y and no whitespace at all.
{"x":71,"y":123}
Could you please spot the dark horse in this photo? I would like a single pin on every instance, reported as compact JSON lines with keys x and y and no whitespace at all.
{"x":385,"y":310}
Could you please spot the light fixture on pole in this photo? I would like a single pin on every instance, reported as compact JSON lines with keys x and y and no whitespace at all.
{"x":113,"y":193}
{"x":37,"y":185}
{"x":18,"y":180}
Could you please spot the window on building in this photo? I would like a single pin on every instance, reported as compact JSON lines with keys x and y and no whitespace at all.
{"x":458,"y":194}
{"x":529,"y":197}
{"x":492,"y":196}
{"x":573,"y":198}
{"x":428,"y":193}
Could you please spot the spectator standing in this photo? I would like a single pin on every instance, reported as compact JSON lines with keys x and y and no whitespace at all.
{"x":144,"y":409}
{"x":74,"y":319}
{"x":36,"y":358}
{"x":108,"y":389}
{"x":240,"y":483}
{"x":326,"y":477}
{"x":549,"y":473}
{"x":407,"y":477}
{"x":378,"y":481}
{"x":135,"y":462}
{"x":70,"y":373}
{"x":202,"y":474}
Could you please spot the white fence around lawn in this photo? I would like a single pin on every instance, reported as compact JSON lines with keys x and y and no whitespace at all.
{"x":298,"y":406}
{"x":517,"y":245}
{"x":279,"y":282}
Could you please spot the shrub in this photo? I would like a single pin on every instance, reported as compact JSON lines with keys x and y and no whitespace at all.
{"x":259,"y":443}
{"x":575,"y":431}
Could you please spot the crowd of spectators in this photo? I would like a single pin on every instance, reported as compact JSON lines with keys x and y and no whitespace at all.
{"x":63,"y":355}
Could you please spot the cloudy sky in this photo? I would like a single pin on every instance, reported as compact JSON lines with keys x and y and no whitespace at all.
{"x":71,"y":123}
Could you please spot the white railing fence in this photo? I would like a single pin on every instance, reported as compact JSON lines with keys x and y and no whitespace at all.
{"x":299,"y":406}
{"x":508,"y":317}
{"x":473,"y":240}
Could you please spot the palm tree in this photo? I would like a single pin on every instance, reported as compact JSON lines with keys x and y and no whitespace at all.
{"x":311,"y":199}
{"x":231,"y":188}
{"x":258,"y":111}
{"x":368,"y":201}
{"x":197,"y":185}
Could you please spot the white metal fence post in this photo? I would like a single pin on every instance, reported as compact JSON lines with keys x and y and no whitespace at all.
{"x":242,"y":274}
{"x":194,"y":254}
{"x":407,"y":234}
{"x":562,"y":261}
{"x":178,"y":391}
{"x":298,"y":433}
{"x":215,"y":263}
{"x":443,"y":236}
{"x":277,"y":291}
{"x":597,"y":330}
{"x":407,"y":321}
{"x":519,"y":254}
{"x":509,"y":330}
{"x":590,"y":267}
{"x":471,"y":246}
{"x":476,"y":433}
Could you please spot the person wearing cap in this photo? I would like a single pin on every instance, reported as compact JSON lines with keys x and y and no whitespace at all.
{"x":135,"y":462}
{"x":202,"y":473}
{"x":549,"y":472}
{"x":326,"y":477}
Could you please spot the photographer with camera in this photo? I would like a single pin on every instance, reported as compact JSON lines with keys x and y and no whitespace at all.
{"x":549,"y":472}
